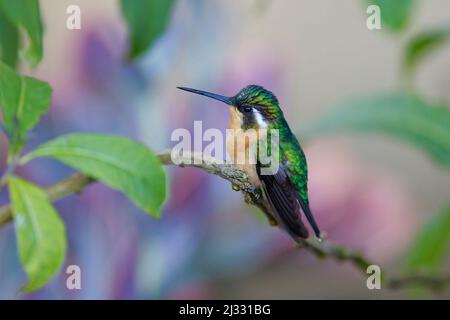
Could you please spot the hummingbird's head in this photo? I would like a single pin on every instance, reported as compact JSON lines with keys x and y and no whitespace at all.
{"x":255,"y":106}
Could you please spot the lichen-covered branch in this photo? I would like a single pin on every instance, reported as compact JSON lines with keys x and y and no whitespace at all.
{"x":239,"y":179}
{"x":339,"y":253}
{"x":435,"y":283}
{"x":78,"y":182}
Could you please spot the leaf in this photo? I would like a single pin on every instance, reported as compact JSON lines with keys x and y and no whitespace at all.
{"x":422,"y":45}
{"x":146,"y":20}
{"x":26,"y":14}
{"x":23,"y":101}
{"x":431,"y":245}
{"x":40,"y":233}
{"x":117,"y":162}
{"x":9,"y":41}
{"x":395,"y":15}
{"x":400,"y":115}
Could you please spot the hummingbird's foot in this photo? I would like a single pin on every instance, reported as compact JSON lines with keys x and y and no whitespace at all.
{"x":235,"y":187}
{"x":322,"y":236}
{"x":257,"y":194}
{"x":248,"y":199}
{"x":273,"y":222}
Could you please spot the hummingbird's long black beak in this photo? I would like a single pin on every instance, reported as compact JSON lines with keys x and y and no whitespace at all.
{"x":227,"y":100}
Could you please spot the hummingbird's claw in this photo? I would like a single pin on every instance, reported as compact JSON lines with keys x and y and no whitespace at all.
{"x":273,"y":222}
{"x":257,"y":194}
{"x":321,"y":238}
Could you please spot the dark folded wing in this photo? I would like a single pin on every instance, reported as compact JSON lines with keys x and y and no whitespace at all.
{"x":284,"y":199}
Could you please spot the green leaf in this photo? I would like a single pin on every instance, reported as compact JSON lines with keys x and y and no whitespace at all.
{"x":23,"y":100}
{"x":9,"y":41}
{"x":395,"y":15}
{"x":146,"y":20}
{"x":40,"y":233}
{"x":400,"y":115}
{"x":422,"y":45}
{"x":26,"y":14}
{"x":431,"y":245}
{"x":120,"y":163}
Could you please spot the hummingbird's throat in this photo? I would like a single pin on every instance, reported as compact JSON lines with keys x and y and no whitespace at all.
{"x":254,"y":120}
{"x":243,"y":140}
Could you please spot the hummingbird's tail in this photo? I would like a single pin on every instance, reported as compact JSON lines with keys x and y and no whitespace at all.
{"x":309,"y":216}
{"x":287,"y":204}
{"x":285,"y":207}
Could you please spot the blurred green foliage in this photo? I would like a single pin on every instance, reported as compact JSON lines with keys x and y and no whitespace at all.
{"x":401,"y":115}
{"x":23,"y":100}
{"x":395,"y":14}
{"x":23,"y":14}
{"x":146,"y":21}
{"x":431,"y":246}
{"x":118,"y":162}
{"x":9,"y":41}
{"x":422,"y":45}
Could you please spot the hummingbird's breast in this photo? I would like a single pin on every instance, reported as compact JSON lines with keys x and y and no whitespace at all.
{"x":241,"y":146}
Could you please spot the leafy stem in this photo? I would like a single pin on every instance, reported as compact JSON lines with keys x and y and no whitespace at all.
{"x":8,"y":171}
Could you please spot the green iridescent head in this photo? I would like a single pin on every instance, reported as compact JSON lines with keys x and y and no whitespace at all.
{"x":257,"y":106}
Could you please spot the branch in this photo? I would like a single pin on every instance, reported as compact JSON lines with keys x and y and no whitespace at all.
{"x":339,"y":253}
{"x":78,"y":182}
{"x":73,"y":184}
{"x":239,"y":180}
{"x":435,"y":283}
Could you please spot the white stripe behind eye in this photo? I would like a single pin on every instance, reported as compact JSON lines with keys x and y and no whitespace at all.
{"x":259,"y":118}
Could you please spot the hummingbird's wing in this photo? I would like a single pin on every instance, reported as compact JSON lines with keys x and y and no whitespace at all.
{"x":285,"y":201}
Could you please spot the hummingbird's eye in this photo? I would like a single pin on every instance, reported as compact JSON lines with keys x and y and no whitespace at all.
{"x":247,"y":109}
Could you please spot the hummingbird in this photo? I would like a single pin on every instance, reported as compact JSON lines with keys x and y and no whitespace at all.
{"x":286,"y":190}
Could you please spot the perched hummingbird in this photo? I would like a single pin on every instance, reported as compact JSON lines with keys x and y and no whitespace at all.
{"x":286,"y":191}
